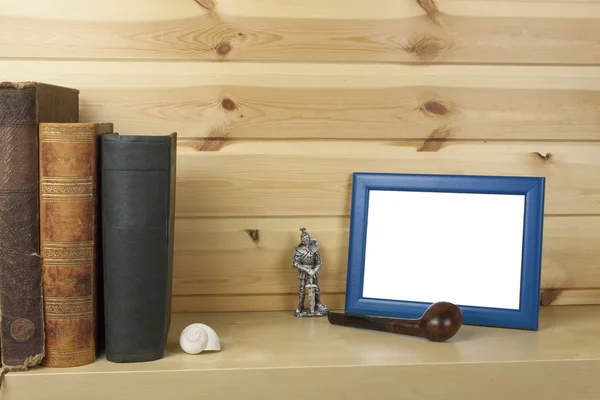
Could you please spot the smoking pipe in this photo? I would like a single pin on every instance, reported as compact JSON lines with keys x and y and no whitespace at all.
{"x":438,"y":323}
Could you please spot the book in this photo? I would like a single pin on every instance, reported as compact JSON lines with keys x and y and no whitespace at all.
{"x":69,"y":230}
{"x":138,"y":202}
{"x":23,"y":105}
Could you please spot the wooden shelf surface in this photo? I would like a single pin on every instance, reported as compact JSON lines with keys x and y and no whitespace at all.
{"x":273,"y":355}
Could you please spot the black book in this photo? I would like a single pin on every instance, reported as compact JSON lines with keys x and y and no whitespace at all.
{"x":138,"y":203}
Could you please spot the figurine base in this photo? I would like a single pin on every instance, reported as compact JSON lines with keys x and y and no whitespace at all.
{"x":320,"y":312}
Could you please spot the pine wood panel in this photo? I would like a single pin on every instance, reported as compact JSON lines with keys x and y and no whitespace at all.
{"x":336,"y":301}
{"x":563,"y":297}
{"x":225,"y":256}
{"x":252,"y":256}
{"x":571,"y":252}
{"x":411,"y":31}
{"x":248,"y":302}
{"x":301,"y":178}
{"x":344,"y":101}
{"x":530,"y":380}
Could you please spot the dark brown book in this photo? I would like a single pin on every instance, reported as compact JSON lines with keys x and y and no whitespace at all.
{"x":69,"y":214}
{"x":22,"y":107}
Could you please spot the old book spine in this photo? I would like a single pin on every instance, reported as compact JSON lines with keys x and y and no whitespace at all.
{"x":68,"y":235}
{"x":22,"y":107}
{"x":104,"y":129}
{"x":138,"y":201}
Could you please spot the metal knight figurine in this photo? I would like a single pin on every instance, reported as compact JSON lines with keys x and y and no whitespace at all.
{"x":307,"y":261}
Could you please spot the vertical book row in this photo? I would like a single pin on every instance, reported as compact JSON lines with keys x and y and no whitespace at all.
{"x":86,"y":234}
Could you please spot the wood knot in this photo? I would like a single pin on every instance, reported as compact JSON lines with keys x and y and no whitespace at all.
{"x":429,"y":6}
{"x":228,"y":104}
{"x":431,"y":9}
{"x":437,"y":139}
{"x":545,"y":157}
{"x":435,"y":108}
{"x":254,"y":234}
{"x":426,"y":48}
{"x":215,"y":144}
{"x":223,"y":48}
{"x":548,"y":296}
{"x":206,"y":4}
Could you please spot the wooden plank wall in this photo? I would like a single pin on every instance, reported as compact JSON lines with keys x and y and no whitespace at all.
{"x":277,"y":102}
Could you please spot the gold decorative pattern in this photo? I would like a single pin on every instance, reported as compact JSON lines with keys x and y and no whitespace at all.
{"x":68,"y":243}
{"x":64,"y":334}
{"x":68,"y":281}
{"x":66,"y":188}
{"x":66,"y":159}
{"x":71,"y":134}
{"x":70,"y":357}
{"x":75,"y":129}
{"x":61,"y":253}
{"x":66,"y":179}
{"x":71,"y":264}
{"x":66,"y":139}
{"x":68,"y":307}
{"x":76,"y":254}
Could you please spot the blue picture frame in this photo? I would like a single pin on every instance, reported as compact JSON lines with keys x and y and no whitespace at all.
{"x":533,"y":188}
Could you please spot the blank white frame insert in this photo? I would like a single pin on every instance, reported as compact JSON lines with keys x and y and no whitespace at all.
{"x":465,"y":248}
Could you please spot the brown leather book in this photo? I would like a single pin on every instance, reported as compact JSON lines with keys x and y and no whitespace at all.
{"x":23,"y":105}
{"x":69,"y":235}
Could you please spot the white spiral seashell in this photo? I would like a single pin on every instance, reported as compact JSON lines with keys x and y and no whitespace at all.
{"x":196,"y":338}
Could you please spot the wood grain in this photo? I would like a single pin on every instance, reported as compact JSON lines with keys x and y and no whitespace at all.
{"x":528,"y":380}
{"x":571,"y":254}
{"x":222,"y":256}
{"x":246,"y":302}
{"x":336,"y":301}
{"x":149,"y":67}
{"x":310,"y":30}
{"x":230,"y":257}
{"x":265,"y":354}
{"x":303,"y":178}
{"x":570,"y":297}
{"x":345,"y":101}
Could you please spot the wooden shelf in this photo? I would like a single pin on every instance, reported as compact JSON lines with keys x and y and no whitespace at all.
{"x":273,"y":355}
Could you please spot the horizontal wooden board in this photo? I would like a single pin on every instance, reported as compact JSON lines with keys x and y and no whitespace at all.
{"x":260,"y":302}
{"x":571,"y":252}
{"x":336,"y":301}
{"x":409,"y":31}
{"x":571,"y":297}
{"x":300,"y":178}
{"x":283,"y":101}
{"x":265,"y":356}
{"x":252,"y":256}
{"x":222,"y":256}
